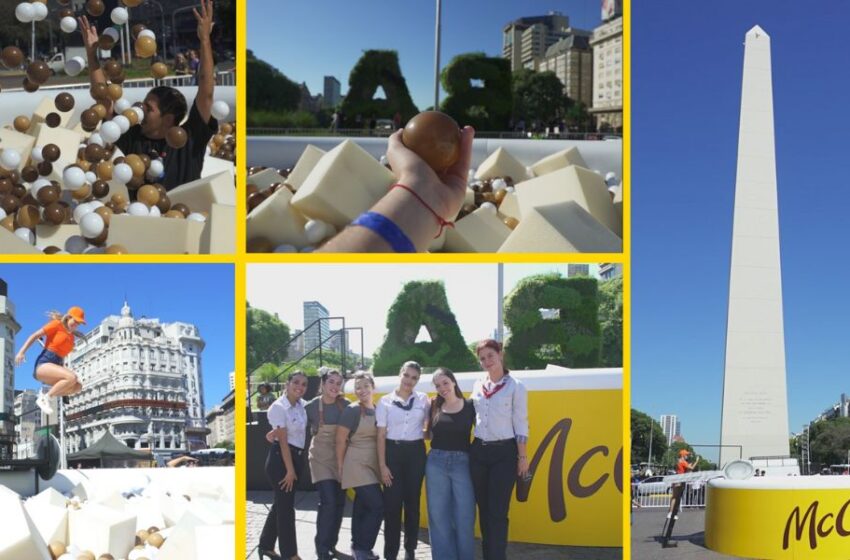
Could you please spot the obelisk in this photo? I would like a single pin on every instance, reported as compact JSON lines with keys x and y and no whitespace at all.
{"x":755,"y":402}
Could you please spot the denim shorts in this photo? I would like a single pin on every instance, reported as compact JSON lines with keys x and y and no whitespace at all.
{"x":46,"y":357}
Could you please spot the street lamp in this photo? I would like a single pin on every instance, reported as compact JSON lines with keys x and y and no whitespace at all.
{"x":437,"y":58}
{"x":161,"y":26}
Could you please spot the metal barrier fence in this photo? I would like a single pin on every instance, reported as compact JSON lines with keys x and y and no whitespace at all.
{"x":658,"y":495}
{"x":378,"y":133}
{"x":227,"y":78}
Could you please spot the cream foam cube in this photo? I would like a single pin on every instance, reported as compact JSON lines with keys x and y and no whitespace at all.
{"x":172,"y":508}
{"x":570,"y":183}
{"x":201,"y":194}
{"x":148,"y":235}
{"x":265,"y":178}
{"x":50,"y":497}
{"x":308,"y":160}
{"x":558,"y":160}
{"x":67,"y":140}
{"x":618,"y":205}
{"x":278,"y":220}
{"x":501,"y":164}
{"x":46,"y":106}
{"x":50,"y":520}
{"x":181,"y":542}
{"x":214,"y":542}
{"x":564,"y":227}
{"x":482,"y":231}
{"x":345,"y":182}
{"x":11,"y":244}
{"x":46,"y":235}
{"x":19,"y":537}
{"x":101,"y":529}
{"x":22,"y":143}
{"x":214,"y":165}
{"x":146,"y":511}
{"x":509,"y":207}
{"x":219,"y":234}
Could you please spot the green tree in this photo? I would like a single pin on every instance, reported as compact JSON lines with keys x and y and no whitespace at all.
{"x":268,"y":89}
{"x":611,"y":321}
{"x":266,"y":335}
{"x":226,"y":444}
{"x":539,"y":96}
{"x":642,"y":424}
{"x":829,"y":441}
{"x":577,"y":116}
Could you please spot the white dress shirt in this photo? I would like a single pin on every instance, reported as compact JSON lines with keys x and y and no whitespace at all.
{"x":293,"y":418}
{"x":403,"y":425}
{"x":505,"y":414}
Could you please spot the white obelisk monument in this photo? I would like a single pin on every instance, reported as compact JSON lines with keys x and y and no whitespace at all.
{"x":755,"y":401}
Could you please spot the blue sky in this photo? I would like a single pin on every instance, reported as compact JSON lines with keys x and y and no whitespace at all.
{"x":307,"y":40}
{"x":687,"y":67}
{"x":200,"y":294}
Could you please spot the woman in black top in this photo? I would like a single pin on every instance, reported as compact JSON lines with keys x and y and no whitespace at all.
{"x":451,"y":501}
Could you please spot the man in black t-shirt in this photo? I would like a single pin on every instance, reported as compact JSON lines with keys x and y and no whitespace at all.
{"x":165,"y":107}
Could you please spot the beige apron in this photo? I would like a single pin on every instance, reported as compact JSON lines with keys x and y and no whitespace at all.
{"x":323,"y":450}
{"x":360,"y":467}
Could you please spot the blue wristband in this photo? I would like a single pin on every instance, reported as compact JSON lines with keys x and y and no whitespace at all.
{"x":387,"y":230}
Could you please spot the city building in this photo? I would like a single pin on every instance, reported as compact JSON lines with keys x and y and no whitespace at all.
{"x":332,"y":97}
{"x":608,"y":271}
{"x":607,"y":45}
{"x":525,"y":40}
{"x":571,"y":59}
{"x":314,"y":334}
{"x":296,"y":346}
{"x":308,"y":102}
{"x":27,"y":423}
{"x":142,"y":381}
{"x":574,"y":270}
{"x":232,"y":379}
{"x":671,"y":426}
{"x":221,"y":421}
{"x":9,"y":327}
{"x":841,"y":409}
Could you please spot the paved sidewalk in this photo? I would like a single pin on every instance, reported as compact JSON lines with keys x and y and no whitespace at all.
{"x":305,"y":505}
{"x":688,"y":534}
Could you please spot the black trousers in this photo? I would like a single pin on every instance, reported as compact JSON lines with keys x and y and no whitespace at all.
{"x":406,"y":461}
{"x":493,"y":469}
{"x":280,"y":523}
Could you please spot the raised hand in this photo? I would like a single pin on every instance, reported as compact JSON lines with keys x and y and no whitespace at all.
{"x":89,"y":32}
{"x":205,"y":19}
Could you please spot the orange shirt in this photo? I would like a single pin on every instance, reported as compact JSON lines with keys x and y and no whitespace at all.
{"x":59,"y":340}
{"x":682,"y":466}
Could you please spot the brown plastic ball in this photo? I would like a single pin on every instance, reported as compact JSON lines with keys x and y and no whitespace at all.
{"x":155,"y":540}
{"x":435,"y":137}
{"x":94,"y":153}
{"x":45,"y":168}
{"x":29,"y":173}
{"x":48,"y":194}
{"x":511,"y":222}
{"x":104,"y":170}
{"x":52,"y":250}
{"x":100,"y":109}
{"x":259,"y":245}
{"x":176,"y":137}
{"x":28,"y":216}
{"x":6,"y":185}
{"x":145,"y":47}
{"x":22,"y":123}
{"x":159,"y":70}
{"x":81,"y":193}
{"x":136,"y":164}
{"x":100,"y":188}
{"x":136,"y":29}
{"x":131,"y":116}
{"x":12,"y":57}
{"x":115,"y":92}
{"x":119,"y":78}
{"x":182,"y":208}
{"x":116,"y":250}
{"x":105,"y":42}
{"x":226,"y":128}
{"x":64,"y":12}
{"x":50,"y":153}
{"x":53,"y":120}
{"x":174,"y":214}
{"x":95,"y":8}
{"x":8,"y":222}
{"x":148,"y":195}
{"x":112,"y":67}
{"x":10,"y":203}
{"x":164,"y":203}
{"x":99,"y":92}
{"x":119,"y":199}
{"x":64,"y":102}
{"x":56,"y":548}
{"x":38,"y":72}
{"x":104,"y":213}
{"x":29,"y":86}
{"x":89,"y":119}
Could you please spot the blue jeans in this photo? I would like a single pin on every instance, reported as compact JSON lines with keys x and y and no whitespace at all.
{"x":329,"y":519}
{"x":451,"y":505}
{"x":366,"y":518}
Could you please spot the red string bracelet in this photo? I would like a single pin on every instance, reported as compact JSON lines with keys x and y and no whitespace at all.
{"x":443,"y":223}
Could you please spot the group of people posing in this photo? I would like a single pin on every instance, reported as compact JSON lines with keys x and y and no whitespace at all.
{"x":478,"y":449}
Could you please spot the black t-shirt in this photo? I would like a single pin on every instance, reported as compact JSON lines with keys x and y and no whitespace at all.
{"x":183,"y":165}
{"x":451,"y":431}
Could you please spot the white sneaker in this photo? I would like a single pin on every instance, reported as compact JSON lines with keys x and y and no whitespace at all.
{"x":44,"y":404}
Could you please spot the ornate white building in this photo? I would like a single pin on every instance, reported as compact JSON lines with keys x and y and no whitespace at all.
{"x":9,"y":327}
{"x":141,"y":381}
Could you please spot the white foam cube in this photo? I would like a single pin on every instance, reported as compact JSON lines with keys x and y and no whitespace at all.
{"x":482,"y":231}
{"x":558,"y":160}
{"x":265,"y":178}
{"x":569,"y":183}
{"x":148,"y":235}
{"x":214,"y":165}
{"x":46,"y":106}
{"x":147,"y":513}
{"x":19,"y":537}
{"x":509,"y":207}
{"x":214,"y":542}
{"x":67,"y":140}
{"x":501,"y":164}
{"x":278,"y":220}
{"x":564,"y":227}
{"x":345,"y":182}
{"x":46,"y":235}
{"x":18,"y":141}
{"x":101,"y":529}
{"x":11,"y":244}
{"x":308,"y":160}
{"x":219,"y":234}
{"x":50,"y":520}
{"x":201,"y":194}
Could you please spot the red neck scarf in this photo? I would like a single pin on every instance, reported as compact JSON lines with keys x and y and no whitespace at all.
{"x":492,"y":391}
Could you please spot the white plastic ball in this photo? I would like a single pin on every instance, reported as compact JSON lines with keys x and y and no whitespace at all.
{"x":383,"y":160}
{"x":154,"y":212}
{"x":110,"y":131}
{"x":39,"y":184}
{"x":220,"y":110}
{"x":147,"y":33}
{"x":611,"y":179}
{"x":92,"y":250}
{"x":156,"y":169}
{"x":39,"y":11}
{"x":489,"y":206}
{"x":36,"y":154}
{"x":122,"y":122}
{"x":470,"y":176}
{"x":92,"y":225}
{"x":315,"y":230}
{"x":96,"y":138}
{"x":112,"y":33}
{"x":95,"y":204}
{"x":26,"y":234}
{"x":73,"y":177}
{"x":122,"y":173}
{"x":76,"y":244}
{"x":91,"y":177}
{"x":10,"y":159}
{"x":196,"y":217}
{"x":68,"y":24}
{"x":122,"y":105}
{"x":2,"y":214}
{"x":67,"y":555}
{"x":285,"y":248}
{"x":81,"y":210}
{"x":138,"y":209}
{"x":140,"y":113}
{"x":510,"y":189}
{"x":119,"y":16}
{"x":307,"y":249}
{"x":499,"y":184}
{"x":24,"y":12}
